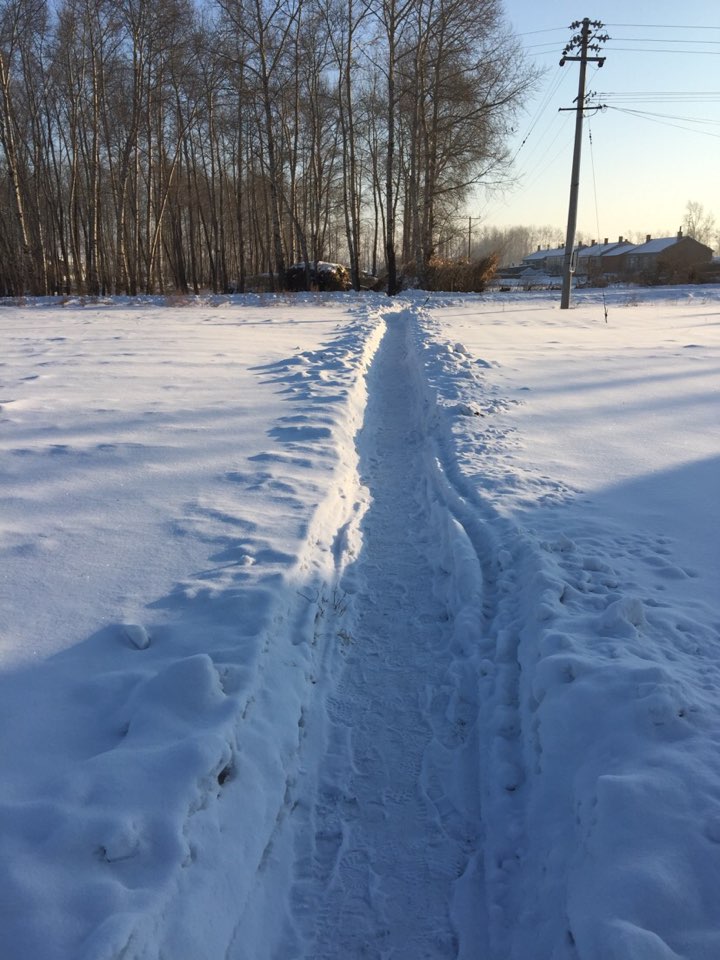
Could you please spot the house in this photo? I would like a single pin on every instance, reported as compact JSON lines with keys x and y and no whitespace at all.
{"x":613,"y":260}
{"x":597,"y":260}
{"x":665,"y":258}
{"x":548,"y":261}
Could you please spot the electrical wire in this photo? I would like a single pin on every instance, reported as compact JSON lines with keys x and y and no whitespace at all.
{"x":658,"y":118}
{"x":541,"y":163}
{"x":661,"y":96}
{"x":530,"y":33}
{"x":663,"y":26}
{"x":670,"y":116}
{"x":694,"y":53}
{"x":542,"y":106}
{"x":546,"y":48}
{"x":664,"y":40}
{"x":634,"y":26}
{"x":540,"y":167}
{"x":540,"y":145}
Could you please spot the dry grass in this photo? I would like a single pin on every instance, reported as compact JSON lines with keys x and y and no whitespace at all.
{"x":460,"y":276}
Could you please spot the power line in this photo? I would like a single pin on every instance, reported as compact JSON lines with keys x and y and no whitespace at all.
{"x":654,"y":118}
{"x":664,"y":40}
{"x":549,"y":46}
{"x":655,"y":101}
{"x":530,"y":33}
{"x":536,"y":171}
{"x":550,"y":92}
{"x":540,"y":169}
{"x":553,"y":128}
{"x":669,"y":96}
{"x":635,"y":26}
{"x":540,"y":149}
{"x":542,"y":106}
{"x":545,"y":46}
{"x":694,"y":53}
{"x":663,"y":26}
{"x":670,"y":116}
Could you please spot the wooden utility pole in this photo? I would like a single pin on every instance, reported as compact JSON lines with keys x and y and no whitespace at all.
{"x":586,"y":40}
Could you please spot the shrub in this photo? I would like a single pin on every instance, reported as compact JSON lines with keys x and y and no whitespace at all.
{"x":461,"y":276}
{"x":323,"y":276}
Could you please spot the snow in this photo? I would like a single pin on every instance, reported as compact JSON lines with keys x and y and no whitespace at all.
{"x":657,"y":245}
{"x":342,"y":626}
{"x":601,"y":249}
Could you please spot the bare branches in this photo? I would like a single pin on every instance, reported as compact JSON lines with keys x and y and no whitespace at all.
{"x":151,"y":145}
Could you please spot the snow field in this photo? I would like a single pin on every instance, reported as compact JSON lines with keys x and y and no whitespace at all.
{"x":599,"y":704}
{"x":352,"y":627}
{"x":122,"y":746}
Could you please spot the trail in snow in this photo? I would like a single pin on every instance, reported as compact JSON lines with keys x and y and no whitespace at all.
{"x":387,"y":857}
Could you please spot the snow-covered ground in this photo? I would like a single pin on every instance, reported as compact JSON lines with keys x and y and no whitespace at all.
{"x":348,"y":627}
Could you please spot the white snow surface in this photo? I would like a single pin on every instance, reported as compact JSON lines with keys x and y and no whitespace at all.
{"x":340,"y":627}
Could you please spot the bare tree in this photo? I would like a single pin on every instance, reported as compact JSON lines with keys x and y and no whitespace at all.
{"x":267,"y":26}
{"x":699,"y":223}
{"x":342,"y":21}
{"x":19,"y":20}
{"x":393,"y":16}
{"x":139,"y":153}
{"x":468,"y":80}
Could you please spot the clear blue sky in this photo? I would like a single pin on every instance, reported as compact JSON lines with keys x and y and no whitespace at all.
{"x":663,"y":58}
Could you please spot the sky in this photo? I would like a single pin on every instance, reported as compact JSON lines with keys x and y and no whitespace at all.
{"x":639,"y":171}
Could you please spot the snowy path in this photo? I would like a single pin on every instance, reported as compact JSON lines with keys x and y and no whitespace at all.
{"x":392,"y":835}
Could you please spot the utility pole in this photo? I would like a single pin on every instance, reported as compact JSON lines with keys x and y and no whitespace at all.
{"x":586,"y":40}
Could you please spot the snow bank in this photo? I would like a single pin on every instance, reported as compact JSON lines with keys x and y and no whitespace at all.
{"x":151,"y":715}
{"x":599,"y":694}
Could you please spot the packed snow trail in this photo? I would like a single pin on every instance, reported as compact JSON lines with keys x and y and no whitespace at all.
{"x":387,"y":859}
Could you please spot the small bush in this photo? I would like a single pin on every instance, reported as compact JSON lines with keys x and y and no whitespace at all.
{"x":323,"y":276}
{"x":460,"y":276}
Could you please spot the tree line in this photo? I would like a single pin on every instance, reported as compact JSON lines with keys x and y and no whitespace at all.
{"x":157,"y":145}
